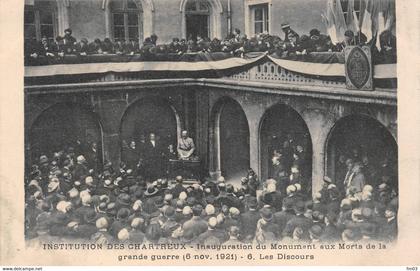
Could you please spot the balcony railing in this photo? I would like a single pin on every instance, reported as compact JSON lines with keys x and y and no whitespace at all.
{"x":317,"y":69}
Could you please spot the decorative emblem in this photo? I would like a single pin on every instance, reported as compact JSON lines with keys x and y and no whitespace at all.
{"x":358,"y":68}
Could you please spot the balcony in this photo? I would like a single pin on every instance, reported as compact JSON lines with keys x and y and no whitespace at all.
{"x":321,"y":70}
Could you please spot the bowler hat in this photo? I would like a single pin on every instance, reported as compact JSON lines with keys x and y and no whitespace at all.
{"x":124,"y":199}
{"x":151,"y":191}
{"x":159,"y":203}
{"x":252,"y":203}
{"x":266,"y":214}
{"x":90,"y":216}
{"x":316,"y":231}
{"x":123,"y":213}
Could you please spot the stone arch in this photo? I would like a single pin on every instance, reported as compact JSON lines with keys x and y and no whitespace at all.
{"x":59,"y":125}
{"x":229,"y":144}
{"x":215,"y":18}
{"x":277,"y":122}
{"x":143,"y":114}
{"x":357,"y":135}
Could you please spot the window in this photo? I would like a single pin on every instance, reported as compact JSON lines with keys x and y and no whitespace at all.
{"x":197,"y":7}
{"x":127,"y":20}
{"x":39,"y":21}
{"x":345,"y":7}
{"x":197,"y":13}
{"x":260,"y":18}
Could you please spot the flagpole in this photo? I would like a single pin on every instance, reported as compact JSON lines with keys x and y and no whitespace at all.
{"x":360,"y":15}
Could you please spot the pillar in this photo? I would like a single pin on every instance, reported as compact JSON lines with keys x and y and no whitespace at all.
{"x":319,"y":128}
{"x":62,"y":16}
{"x":111,"y":112}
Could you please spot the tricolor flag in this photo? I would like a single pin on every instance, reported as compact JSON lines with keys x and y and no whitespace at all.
{"x":366,"y":27}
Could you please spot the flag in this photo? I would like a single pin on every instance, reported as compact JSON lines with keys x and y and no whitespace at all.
{"x":366,"y":27}
{"x":351,"y":18}
{"x":390,"y":15}
{"x":356,"y":21}
{"x":339,"y":20}
{"x":380,"y":28}
{"x":329,"y":22}
{"x":331,"y":30}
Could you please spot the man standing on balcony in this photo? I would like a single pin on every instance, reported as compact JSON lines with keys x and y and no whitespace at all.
{"x":288,"y":32}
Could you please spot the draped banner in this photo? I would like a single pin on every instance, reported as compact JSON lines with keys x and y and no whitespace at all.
{"x":321,"y":64}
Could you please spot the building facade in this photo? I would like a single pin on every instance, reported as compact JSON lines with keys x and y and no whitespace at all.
{"x":235,"y":117}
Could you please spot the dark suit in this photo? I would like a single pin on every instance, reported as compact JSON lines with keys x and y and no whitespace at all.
{"x":153,"y":160}
{"x":80,"y":172}
{"x":221,"y":235}
{"x":331,"y":234}
{"x":195,"y":226}
{"x":282,"y":218}
{"x":298,"y":221}
{"x":249,"y":221}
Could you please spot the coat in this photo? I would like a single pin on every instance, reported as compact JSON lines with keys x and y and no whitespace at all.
{"x":356,"y":180}
{"x":297,"y":221}
{"x":249,"y":219}
{"x":195,"y":226}
{"x":153,"y":160}
{"x":221,"y":235}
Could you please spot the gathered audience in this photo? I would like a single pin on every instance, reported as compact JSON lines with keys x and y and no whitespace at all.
{"x":70,"y":196}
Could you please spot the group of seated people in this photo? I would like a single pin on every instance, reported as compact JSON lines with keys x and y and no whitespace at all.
{"x":235,"y":44}
{"x":67,"y":200}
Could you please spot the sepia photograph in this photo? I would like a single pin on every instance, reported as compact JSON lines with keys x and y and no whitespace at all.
{"x":208,"y":126}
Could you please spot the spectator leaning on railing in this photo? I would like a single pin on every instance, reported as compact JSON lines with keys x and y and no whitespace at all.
{"x":236,"y":44}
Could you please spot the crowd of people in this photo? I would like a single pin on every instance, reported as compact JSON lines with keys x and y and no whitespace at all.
{"x":70,"y":198}
{"x":235,"y":44}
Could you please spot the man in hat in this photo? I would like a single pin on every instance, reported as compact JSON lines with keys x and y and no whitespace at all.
{"x":212,"y":231}
{"x":233,"y":218}
{"x":287,"y":31}
{"x":121,"y":222}
{"x":131,"y":155}
{"x":249,"y":220}
{"x":82,"y":47}
{"x":389,"y":230}
{"x":315,"y":233}
{"x":196,"y":225}
{"x":88,"y":227}
{"x":178,"y":188}
{"x":170,"y":225}
{"x":318,"y":42}
{"x":282,"y":217}
{"x":80,"y":171}
{"x":331,"y":232}
{"x":234,"y":235}
{"x":186,"y":146}
{"x":102,"y":236}
{"x":299,"y":220}
{"x":80,"y":213}
{"x":388,"y":43}
{"x":349,"y":40}
{"x":267,"y":230}
{"x":150,"y":197}
{"x":136,"y":234}
{"x":280,"y":172}
{"x":68,"y":41}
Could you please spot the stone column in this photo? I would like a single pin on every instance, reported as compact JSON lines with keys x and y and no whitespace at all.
{"x":63,"y":16}
{"x":111,"y":111}
{"x":202,"y":127}
{"x":319,"y":128}
{"x":254,"y":114}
